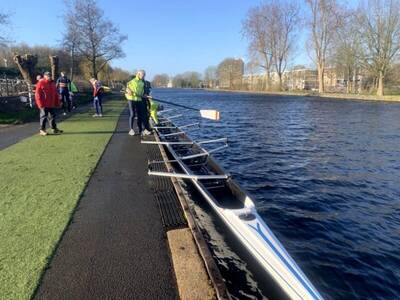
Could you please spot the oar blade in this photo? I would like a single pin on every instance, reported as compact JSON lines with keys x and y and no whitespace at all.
{"x":210,"y":114}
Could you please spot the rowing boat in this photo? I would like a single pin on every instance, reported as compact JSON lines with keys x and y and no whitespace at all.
{"x":231,"y":203}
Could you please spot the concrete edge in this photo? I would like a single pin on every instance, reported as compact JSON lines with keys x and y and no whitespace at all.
{"x":192,"y":279}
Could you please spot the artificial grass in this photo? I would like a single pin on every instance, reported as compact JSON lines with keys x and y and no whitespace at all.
{"x":41,"y":181}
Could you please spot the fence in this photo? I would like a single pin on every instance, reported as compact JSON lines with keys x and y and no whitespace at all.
{"x":12,"y":86}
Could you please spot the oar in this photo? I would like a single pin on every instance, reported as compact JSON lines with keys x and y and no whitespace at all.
{"x":204,"y":113}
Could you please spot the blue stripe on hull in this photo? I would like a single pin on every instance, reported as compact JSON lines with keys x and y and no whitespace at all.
{"x":287,"y":264}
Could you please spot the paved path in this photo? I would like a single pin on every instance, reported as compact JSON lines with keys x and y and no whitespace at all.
{"x":115,"y":247}
{"x":13,"y":134}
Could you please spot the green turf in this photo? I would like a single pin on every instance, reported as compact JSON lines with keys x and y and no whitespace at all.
{"x":41,"y":181}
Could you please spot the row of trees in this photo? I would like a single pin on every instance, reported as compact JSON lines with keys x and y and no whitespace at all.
{"x":188,"y":79}
{"x":89,"y":43}
{"x":364,"y":41}
{"x":82,"y":69}
{"x":229,"y":70}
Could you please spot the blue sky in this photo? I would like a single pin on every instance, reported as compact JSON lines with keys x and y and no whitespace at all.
{"x":163,"y":36}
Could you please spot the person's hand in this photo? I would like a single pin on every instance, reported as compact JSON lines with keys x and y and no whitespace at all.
{"x":128,"y":91}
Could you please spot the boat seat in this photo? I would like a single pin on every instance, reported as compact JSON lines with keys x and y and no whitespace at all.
{"x":213,"y":184}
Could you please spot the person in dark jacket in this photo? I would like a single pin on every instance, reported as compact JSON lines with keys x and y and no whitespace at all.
{"x":47,"y":101}
{"x":146,"y":107}
{"x":62,"y":85}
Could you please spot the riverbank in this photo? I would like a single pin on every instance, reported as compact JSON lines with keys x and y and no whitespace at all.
{"x":388,"y":98}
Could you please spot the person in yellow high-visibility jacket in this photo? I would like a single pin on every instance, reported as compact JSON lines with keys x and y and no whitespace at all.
{"x":134,"y":94}
{"x":154,"y":108}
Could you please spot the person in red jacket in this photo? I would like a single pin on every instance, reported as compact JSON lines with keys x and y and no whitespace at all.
{"x":47,"y":101}
{"x":97,"y":97}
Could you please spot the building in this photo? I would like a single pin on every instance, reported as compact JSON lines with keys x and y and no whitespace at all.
{"x":300,"y":79}
{"x":170,"y":84}
{"x":296,"y":80}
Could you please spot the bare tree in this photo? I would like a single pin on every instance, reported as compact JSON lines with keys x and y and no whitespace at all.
{"x":283,"y":24}
{"x":97,"y":39}
{"x":256,"y":29}
{"x":118,"y":74}
{"x":188,"y":79}
{"x":326,"y":17}
{"x":230,"y":73}
{"x":210,"y":76}
{"x":379,"y":23}
{"x":54,"y":66}
{"x":26,"y":64}
{"x":347,"y":52}
{"x":70,"y":38}
{"x":160,"y":80}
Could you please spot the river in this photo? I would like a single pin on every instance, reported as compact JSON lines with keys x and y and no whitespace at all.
{"x":325,"y":176}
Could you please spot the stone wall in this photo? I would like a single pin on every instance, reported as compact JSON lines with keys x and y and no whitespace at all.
{"x":13,"y":103}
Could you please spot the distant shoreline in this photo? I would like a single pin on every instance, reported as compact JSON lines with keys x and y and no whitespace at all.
{"x":387,"y":98}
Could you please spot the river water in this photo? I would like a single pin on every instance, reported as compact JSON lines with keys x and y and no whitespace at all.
{"x":325,"y":176}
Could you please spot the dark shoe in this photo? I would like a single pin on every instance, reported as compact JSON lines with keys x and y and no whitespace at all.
{"x":57,"y":131}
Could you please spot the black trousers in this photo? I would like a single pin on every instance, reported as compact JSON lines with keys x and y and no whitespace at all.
{"x":66,"y":102}
{"x":138,"y":108}
{"x":47,"y":114}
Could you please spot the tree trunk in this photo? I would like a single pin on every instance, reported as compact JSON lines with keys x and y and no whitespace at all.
{"x":280,"y":81}
{"x":267,"y":81}
{"x":71,"y":75}
{"x":379,"y":92}
{"x":348,"y":85}
{"x":54,"y":67}
{"x":94,"y":71}
{"x":321,"y":86}
{"x":26,"y":66}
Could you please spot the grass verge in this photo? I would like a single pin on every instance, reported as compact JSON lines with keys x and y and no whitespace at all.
{"x":41,"y":181}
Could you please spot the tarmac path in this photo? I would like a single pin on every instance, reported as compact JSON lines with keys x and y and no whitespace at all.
{"x":115,"y":247}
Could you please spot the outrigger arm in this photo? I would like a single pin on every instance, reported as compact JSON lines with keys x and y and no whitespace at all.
{"x":177,"y":127}
{"x":221,"y":140}
{"x":186,"y":176}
